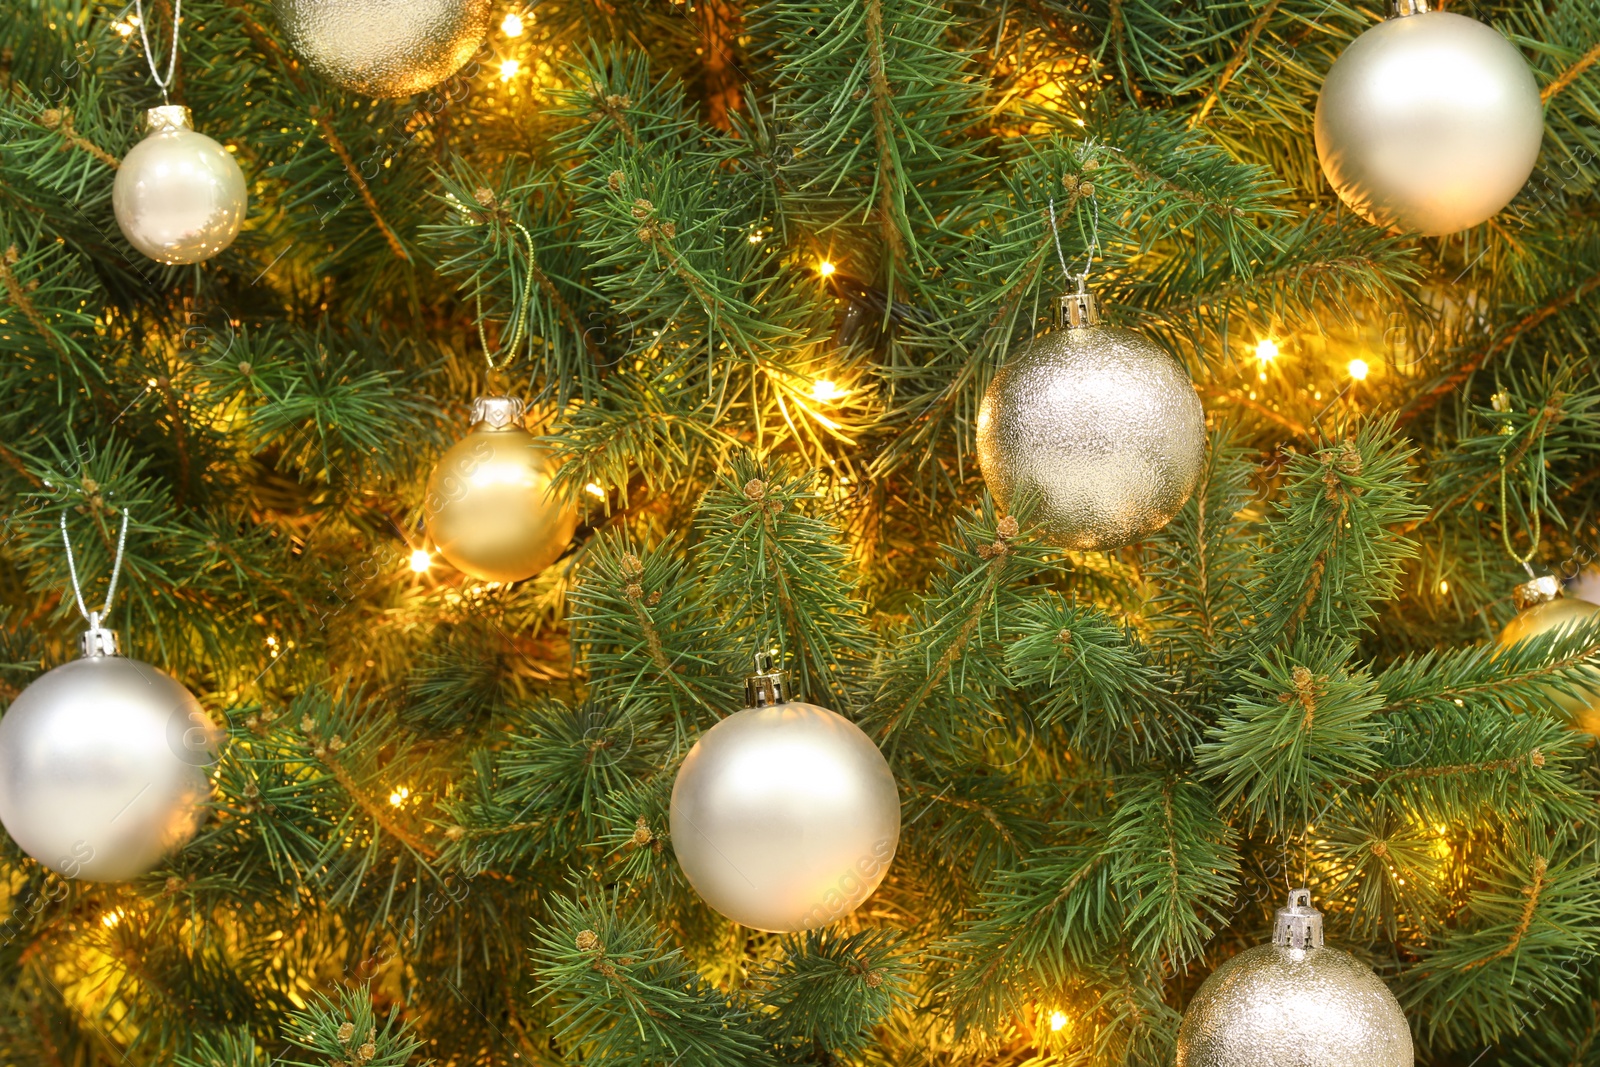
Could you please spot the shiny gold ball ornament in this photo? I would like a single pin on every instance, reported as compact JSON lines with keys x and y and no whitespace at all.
{"x":1542,"y":609}
{"x":1429,"y":122}
{"x":490,"y":508}
{"x":179,"y":196}
{"x":1294,"y":1003}
{"x":104,"y":764}
{"x":384,"y":47}
{"x":785,"y":815}
{"x":1102,"y":423}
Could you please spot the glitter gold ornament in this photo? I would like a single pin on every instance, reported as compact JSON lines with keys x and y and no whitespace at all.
{"x":1429,"y":122}
{"x":103,"y":761}
{"x":1294,"y":1002}
{"x":1542,"y":609}
{"x":384,"y":47}
{"x":785,"y":815}
{"x":1102,"y":423}
{"x":489,"y":506}
{"x":179,"y":197}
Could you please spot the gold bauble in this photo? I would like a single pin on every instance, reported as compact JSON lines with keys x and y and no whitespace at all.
{"x":384,"y":47}
{"x":1544,"y":616}
{"x":490,"y":509}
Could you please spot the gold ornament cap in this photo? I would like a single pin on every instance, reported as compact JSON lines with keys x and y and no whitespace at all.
{"x":1299,"y":925}
{"x":98,"y":641}
{"x":1402,"y":8}
{"x":765,"y":686}
{"x":497,"y":413}
{"x":1539,"y":591}
{"x":1079,"y":309}
{"x":168,"y":117}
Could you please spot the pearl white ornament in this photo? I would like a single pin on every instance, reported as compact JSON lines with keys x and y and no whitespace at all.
{"x":103,"y":765}
{"x":1102,"y":423}
{"x":179,"y":197}
{"x":1429,"y":122}
{"x":1294,"y":1002}
{"x":384,"y":47}
{"x":785,"y":816}
{"x":490,"y":509}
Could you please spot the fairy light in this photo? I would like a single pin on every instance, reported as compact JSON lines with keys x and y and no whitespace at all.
{"x":594,"y":490}
{"x":1444,"y":588}
{"x":123,"y":29}
{"x":111,"y":918}
{"x":1358,"y":369}
{"x":420,"y":561}
{"x":509,"y":68}
{"x":756,"y":238}
{"x":398,"y":797}
{"x":511,"y":25}
{"x":823,"y":389}
{"x":1058,"y":1021}
{"x":1266,"y":350}
{"x":272,"y":645}
{"x":826,"y":268}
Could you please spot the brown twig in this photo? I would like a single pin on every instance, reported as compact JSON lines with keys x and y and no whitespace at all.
{"x":1540,"y":867}
{"x":19,"y":297}
{"x":720,"y":24}
{"x":882,"y":94}
{"x":330,"y":135}
{"x":1571,"y":74}
{"x":1233,"y":64}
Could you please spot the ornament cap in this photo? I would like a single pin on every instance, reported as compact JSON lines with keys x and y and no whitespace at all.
{"x":168,"y":117}
{"x":1299,"y":925}
{"x":98,"y":641}
{"x":1402,"y":8}
{"x":765,"y":686}
{"x":1545,"y":588}
{"x":1079,"y":309}
{"x":497,"y":413}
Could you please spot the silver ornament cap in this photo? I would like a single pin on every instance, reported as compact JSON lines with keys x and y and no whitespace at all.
{"x":104,"y":764}
{"x":384,"y":47}
{"x":1429,"y":122}
{"x":179,"y":196}
{"x":785,"y":816}
{"x":1101,"y":423}
{"x":1297,"y":1002}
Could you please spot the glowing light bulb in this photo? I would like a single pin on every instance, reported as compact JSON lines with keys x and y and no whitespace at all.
{"x":594,"y":490}
{"x":111,"y":918}
{"x":1266,"y":350}
{"x":1058,"y":1021}
{"x":826,"y":269}
{"x":823,"y":389}
{"x":398,"y":797}
{"x":1358,"y":369}
{"x":756,"y":238}
{"x":511,"y":25}
{"x":509,"y":68}
{"x":420,"y":561}
{"x":1444,"y":587}
{"x":123,"y":28}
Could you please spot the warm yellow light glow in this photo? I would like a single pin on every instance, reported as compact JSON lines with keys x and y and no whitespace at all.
{"x":123,"y":28}
{"x":398,"y":797}
{"x":420,"y":561}
{"x":272,"y":645}
{"x":1444,"y":587}
{"x":511,"y":25}
{"x":509,"y":68}
{"x":594,"y":490}
{"x":826,"y":269}
{"x":111,"y":918}
{"x":756,"y":238}
{"x":1058,"y":1020}
{"x":1358,"y":369}
{"x":1266,"y":350}
{"x":823,"y":389}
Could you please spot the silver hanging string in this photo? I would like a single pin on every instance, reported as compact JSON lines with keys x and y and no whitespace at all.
{"x":149,"y":57}
{"x":1081,"y":278}
{"x":95,"y":618}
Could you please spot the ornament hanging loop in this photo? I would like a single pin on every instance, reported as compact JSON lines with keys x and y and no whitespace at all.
{"x":97,"y":640}
{"x":162,"y":83}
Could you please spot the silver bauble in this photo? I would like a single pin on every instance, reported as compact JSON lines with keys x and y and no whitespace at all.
{"x":1102,"y":423}
{"x":489,"y":508}
{"x":179,"y":197}
{"x":384,"y":47}
{"x":1429,"y":123}
{"x":1294,"y":1003}
{"x":785,"y":816}
{"x":103,"y":767}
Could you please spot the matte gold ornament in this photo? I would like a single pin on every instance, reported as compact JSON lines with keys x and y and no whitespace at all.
{"x":179,"y":196}
{"x":1294,"y":1003}
{"x":103,"y":764}
{"x":785,"y":815}
{"x":1542,"y":610}
{"x":1429,"y":122}
{"x":1101,"y":422}
{"x":490,"y":509}
{"x":384,"y":47}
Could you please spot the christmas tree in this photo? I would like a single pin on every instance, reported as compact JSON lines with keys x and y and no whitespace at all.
{"x":751,"y":266}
